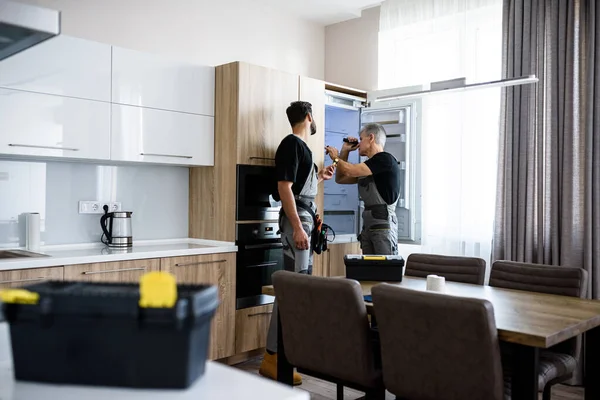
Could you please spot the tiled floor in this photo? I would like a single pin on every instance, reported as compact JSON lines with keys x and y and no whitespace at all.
{"x":321,"y":390}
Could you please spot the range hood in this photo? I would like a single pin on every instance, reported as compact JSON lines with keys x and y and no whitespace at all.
{"x":23,"y":26}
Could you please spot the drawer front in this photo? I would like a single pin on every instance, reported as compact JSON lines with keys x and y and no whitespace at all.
{"x":24,"y":277}
{"x":124,"y":271}
{"x":251,"y":327}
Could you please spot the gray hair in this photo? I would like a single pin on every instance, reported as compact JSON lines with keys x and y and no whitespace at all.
{"x":377,"y":131}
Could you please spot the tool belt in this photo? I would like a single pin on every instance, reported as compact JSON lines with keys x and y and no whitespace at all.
{"x":318,"y":237}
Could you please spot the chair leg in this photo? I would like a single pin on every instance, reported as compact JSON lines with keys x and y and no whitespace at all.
{"x":547,"y":392}
{"x":377,"y":394}
{"x":340,"y":392}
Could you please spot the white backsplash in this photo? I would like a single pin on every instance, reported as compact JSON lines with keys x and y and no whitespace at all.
{"x":157,"y":196}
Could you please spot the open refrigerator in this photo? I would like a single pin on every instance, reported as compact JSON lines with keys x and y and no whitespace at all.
{"x":345,"y":115}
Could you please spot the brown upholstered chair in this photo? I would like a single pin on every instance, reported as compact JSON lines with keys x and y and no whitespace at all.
{"x":326,"y":332}
{"x":558,"y":363}
{"x":453,"y":268}
{"x":435,"y":346}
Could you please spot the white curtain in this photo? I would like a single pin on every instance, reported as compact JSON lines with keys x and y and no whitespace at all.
{"x":422,"y":41}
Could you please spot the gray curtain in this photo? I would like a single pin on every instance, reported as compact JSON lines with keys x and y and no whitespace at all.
{"x":548,"y":196}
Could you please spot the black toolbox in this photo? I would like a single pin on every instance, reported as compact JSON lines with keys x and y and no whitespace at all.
{"x":110,"y":334}
{"x":374,"y":267}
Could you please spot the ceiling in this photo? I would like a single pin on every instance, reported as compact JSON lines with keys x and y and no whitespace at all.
{"x":325,"y":12}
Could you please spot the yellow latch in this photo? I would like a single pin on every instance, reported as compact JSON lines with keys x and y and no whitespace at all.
{"x":374,"y":258}
{"x":158,"y":290}
{"x":19,"y":296}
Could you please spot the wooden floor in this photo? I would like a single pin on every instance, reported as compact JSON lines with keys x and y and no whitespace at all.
{"x":321,"y":390}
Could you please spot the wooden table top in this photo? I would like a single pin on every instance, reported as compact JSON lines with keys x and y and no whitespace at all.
{"x":528,"y":318}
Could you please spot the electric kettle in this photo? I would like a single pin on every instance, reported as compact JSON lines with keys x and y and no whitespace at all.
{"x":117,"y":228}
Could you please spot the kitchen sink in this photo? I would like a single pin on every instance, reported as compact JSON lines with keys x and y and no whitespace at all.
{"x":8,"y":254}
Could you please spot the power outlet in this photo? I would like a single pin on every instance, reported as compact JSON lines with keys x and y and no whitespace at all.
{"x":97,"y":207}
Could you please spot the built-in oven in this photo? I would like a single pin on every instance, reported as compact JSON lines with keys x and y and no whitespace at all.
{"x":260,"y":254}
{"x":255,"y":184}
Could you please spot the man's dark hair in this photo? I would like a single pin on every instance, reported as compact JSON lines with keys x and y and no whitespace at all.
{"x":297,"y":112}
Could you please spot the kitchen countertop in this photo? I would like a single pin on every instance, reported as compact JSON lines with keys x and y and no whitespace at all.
{"x":97,"y":252}
{"x":348,"y":238}
{"x":219,"y":382}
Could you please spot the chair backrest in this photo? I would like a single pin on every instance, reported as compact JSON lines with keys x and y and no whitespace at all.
{"x":325,"y":327}
{"x":453,"y":268}
{"x":436,"y":346}
{"x":542,"y":278}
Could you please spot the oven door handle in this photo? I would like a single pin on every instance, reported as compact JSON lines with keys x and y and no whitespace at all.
{"x":263,"y":246}
{"x":263,"y":265}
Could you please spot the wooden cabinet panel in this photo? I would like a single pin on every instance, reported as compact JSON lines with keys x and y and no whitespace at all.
{"x":23,"y":277}
{"x":122,"y":271}
{"x":263,"y":96}
{"x":336,"y":257}
{"x":321,"y":264}
{"x":251,"y":326}
{"x":214,"y":269}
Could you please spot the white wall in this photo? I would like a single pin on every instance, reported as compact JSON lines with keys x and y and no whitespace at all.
{"x":209,"y":32}
{"x":54,"y":189}
{"x":351,"y":51}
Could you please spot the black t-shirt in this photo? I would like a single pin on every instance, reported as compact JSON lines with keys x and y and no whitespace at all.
{"x":293,"y":162}
{"x":386,"y":174}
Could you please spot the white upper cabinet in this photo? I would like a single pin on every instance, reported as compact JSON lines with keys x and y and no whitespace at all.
{"x":33,"y":124}
{"x":64,"y":66}
{"x":155,"y":81}
{"x":161,"y":137}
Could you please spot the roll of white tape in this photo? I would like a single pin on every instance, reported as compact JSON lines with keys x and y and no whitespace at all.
{"x":32,"y":238}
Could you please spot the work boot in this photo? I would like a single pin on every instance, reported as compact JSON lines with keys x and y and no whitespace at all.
{"x":268,"y":369}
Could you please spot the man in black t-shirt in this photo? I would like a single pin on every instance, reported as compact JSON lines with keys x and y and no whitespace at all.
{"x":378,"y":180}
{"x":297,"y":180}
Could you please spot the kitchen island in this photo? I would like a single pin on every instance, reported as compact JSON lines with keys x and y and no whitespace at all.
{"x":219,"y":382}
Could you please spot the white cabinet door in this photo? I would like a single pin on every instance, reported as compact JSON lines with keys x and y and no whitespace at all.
{"x":53,"y":126}
{"x":158,"y":136}
{"x":64,"y":66}
{"x":155,"y":81}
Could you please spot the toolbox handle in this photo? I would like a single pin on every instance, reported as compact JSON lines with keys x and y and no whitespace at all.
{"x":199,"y":263}
{"x":260,"y":313}
{"x":41,"y":278}
{"x":112,"y":270}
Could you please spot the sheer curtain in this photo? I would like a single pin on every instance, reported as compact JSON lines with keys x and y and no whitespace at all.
{"x":421,"y":41}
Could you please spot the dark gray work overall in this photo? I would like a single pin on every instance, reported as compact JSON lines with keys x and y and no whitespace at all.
{"x":380,"y":225}
{"x":295,"y":260}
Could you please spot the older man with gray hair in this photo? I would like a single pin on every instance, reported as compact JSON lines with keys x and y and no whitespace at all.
{"x":378,"y":180}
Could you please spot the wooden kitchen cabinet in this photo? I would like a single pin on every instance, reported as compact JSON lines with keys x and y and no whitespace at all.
{"x":121,"y":271}
{"x":213,"y":269}
{"x":251,"y":328}
{"x":22,"y":277}
{"x":263,"y":95}
{"x":336,"y":253}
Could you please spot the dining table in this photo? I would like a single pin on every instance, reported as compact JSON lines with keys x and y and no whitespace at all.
{"x":526,"y":321}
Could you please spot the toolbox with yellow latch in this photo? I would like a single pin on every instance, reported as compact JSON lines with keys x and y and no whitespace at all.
{"x":151,"y":335}
{"x":374,"y":267}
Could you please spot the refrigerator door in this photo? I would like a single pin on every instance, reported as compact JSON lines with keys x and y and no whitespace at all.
{"x":401,"y":121}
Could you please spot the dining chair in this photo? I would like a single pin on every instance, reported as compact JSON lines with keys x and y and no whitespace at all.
{"x":453,"y":268}
{"x":436,"y":346}
{"x":558,"y":363}
{"x":326,"y":333}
